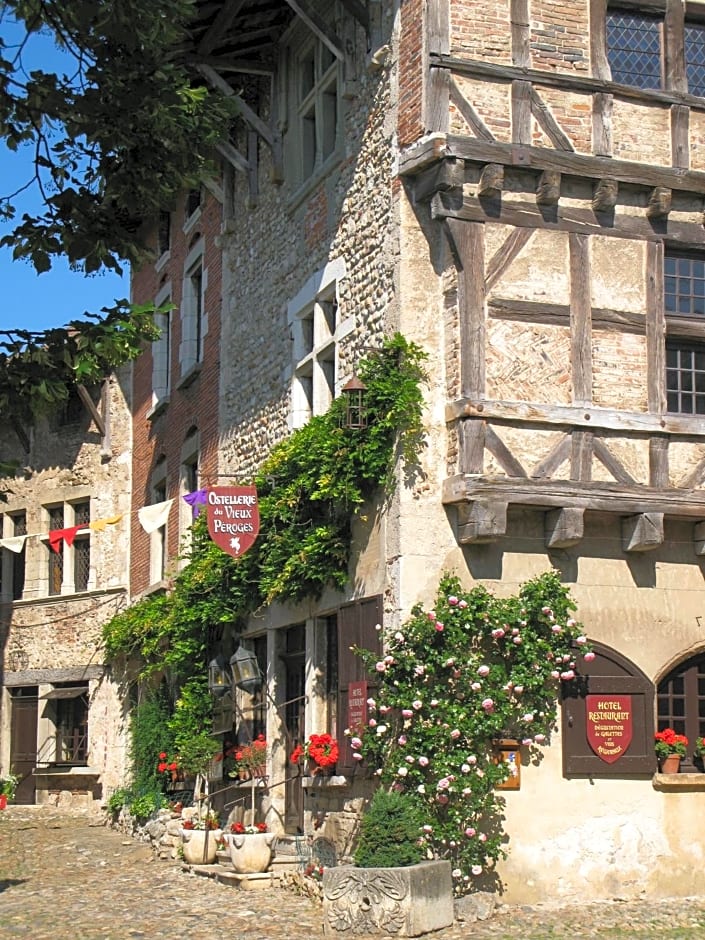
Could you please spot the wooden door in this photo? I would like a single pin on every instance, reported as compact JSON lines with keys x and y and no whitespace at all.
{"x":23,"y":741}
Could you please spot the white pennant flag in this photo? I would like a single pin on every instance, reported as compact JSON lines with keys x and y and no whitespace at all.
{"x":154,"y":517}
{"x":15,"y":543}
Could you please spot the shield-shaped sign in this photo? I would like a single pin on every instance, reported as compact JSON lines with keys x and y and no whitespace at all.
{"x":233,"y":517}
{"x":608,"y":724}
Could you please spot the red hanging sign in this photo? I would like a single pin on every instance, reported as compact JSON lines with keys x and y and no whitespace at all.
{"x":233,"y":517}
{"x":608,"y":723}
{"x":357,"y":707}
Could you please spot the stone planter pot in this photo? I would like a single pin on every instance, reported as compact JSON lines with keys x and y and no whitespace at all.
{"x":252,"y":852}
{"x":200,"y":845}
{"x":406,"y":902}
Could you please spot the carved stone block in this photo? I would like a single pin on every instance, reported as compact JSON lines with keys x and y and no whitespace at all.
{"x":481,"y":521}
{"x":404,"y":902}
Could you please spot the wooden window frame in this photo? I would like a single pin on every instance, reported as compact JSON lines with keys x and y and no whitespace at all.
{"x":673,"y":16}
{"x":685,"y":331}
{"x":690,"y":722}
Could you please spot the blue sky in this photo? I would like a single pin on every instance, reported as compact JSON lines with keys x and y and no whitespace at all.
{"x":31,"y":301}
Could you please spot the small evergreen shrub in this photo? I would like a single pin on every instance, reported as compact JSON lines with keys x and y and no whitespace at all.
{"x":390,"y":833}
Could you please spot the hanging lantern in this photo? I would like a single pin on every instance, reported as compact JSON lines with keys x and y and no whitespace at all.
{"x":219,"y":681}
{"x":354,"y":391}
{"x":245,"y":670}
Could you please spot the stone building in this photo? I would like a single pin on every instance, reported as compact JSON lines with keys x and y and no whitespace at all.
{"x":516,"y":186}
{"x":64,"y":556}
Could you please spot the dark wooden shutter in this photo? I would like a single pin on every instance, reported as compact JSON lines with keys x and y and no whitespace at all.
{"x":356,"y":627}
{"x":609,"y":673}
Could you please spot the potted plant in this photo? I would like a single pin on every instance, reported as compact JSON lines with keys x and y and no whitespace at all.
{"x":250,"y":760}
{"x":699,"y":753}
{"x":320,"y":750}
{"x":408,"y":894}
{"x":200,"y":834}
{"x":670,"y":748}
{"x":8,"y":786}
{"x":251,"y":847}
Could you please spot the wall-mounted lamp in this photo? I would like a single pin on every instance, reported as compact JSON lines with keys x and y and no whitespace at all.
{"x":245,"y":670}
{"x":355,"y":416}
{"x":219,"y":679}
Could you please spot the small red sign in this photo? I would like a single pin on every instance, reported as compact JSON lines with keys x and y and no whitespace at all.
{"x":233,"y":517}
{"x":608,"y":722}
{"x":357,"y":706}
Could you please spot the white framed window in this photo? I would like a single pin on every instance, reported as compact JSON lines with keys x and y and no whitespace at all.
{"x":194,"y":320}
{"x":316,"y":329}
{"x":161,"y":349}
{"x":158,"y":538}
{"x":68,"y":565}
{"x":189,"y":482}
{"x":314,"y":85}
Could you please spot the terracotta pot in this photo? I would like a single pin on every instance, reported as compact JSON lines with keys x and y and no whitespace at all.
{"x":200,"y":846}
{"x":252,"y":852}
{"x":315,"y":770}
{"x":670,"y":764}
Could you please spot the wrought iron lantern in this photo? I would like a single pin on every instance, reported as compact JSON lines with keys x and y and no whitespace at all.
{"x":245,"y":670}
{"x":354,"y":391}
{"x":219,"y":680}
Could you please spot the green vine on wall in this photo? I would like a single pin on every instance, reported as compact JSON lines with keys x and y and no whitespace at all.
{"x":310,"y":487}
{"x":456,"y":678}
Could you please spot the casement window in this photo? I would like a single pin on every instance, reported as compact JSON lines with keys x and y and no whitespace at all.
{"x":69,"y":568}
{"x":12,"y":564}
{"x":188,"y":483}
{"x":67,"y":710}
{"x":645,"y":52}
{"x":162,"y":349}
{"x":158,"y":538}
{"x":194,"y":322}
{"x":681,"y":703}
{"x":314,"y":81}
{"x":192,"y":204}
{"x":684,"y":301}
{"x":358,"y":625}
{"x":317,"y":330}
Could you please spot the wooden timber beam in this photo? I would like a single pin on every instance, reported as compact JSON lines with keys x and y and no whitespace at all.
{"x":481,"y":521}
{"x":90,"y":407}
{"x":548,"y":188}
{"x":491,"y":181}
{"x":540,"y":414}
{"x":245,"y":111}
{"x":659,"y":203}
{"x":604,"y":195}
{"x":569,"y":219}
{"x":233,"y":156}
{"x":318,"y":26}
{"x":616,"y":498}
{"x":545,"y":158}
{"x":642,"y":532}
{"x":563,"y":527}
{"x":224,"y":19}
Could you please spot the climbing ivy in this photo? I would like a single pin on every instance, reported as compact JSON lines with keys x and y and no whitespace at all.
{"x":310,"y":488}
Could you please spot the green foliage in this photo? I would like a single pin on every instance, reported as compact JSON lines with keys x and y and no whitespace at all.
{"x":149,"y":736}
{"x":8,"y":785}
{"x":192,"y":713}
{"x":117,"y":799}
{"x":116,"y":137}
{"x":454,"y":680}
{"x":310,"y":487}
{"x":390,"y":833}
{"x":147,"y":804}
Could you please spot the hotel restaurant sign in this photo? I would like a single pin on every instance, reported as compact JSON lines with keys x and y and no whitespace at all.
{"x":233,"y":517}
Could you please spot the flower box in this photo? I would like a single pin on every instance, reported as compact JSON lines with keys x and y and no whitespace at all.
{"x":406,"y":902}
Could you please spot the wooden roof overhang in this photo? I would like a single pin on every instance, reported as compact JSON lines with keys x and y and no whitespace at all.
{"x":234,"y":45}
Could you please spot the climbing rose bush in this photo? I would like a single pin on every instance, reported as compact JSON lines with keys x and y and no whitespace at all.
{"x":453,"y":680}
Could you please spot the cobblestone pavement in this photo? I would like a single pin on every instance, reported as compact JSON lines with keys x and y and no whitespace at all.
{"x":68,"y":877}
